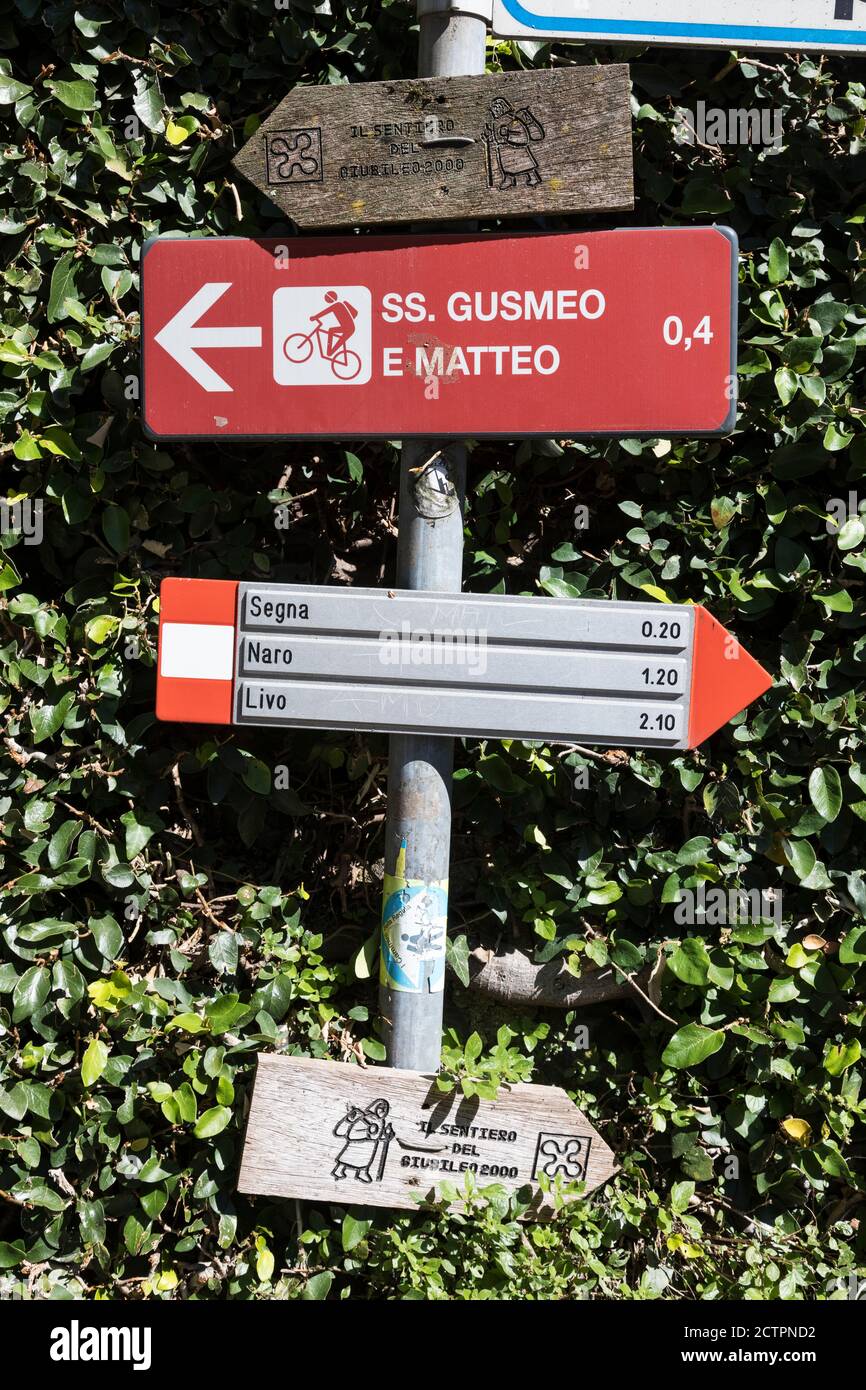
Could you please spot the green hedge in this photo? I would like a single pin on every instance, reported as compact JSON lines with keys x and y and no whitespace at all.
{"x":170,"y":908}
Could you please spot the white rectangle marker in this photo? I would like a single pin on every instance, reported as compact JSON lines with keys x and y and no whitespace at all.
{"x":198,"y":651}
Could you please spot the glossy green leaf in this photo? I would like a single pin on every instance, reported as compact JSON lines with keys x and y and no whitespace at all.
{"x":691,"y":1045}
{"x":212,"y":1122}
{"x":94,"y":1061}
{"x":825,"y":791}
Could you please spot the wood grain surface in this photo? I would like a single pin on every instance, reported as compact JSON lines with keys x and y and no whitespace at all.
{"x":376,"y":1136}
{"x":515,"y":144}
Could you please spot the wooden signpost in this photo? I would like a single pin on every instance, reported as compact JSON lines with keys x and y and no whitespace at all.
{"x":388,"y":1138}
{"x":515,"y":144}
{"x":644,"y":675}
{"x":822,"y":25}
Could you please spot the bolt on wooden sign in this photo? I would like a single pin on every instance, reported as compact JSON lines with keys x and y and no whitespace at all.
{"x":368,"y":1136}
{"x":822,"y":25}
{"x":510,"y":145}
{"x":464,"y":665}
{"x":610,"y":333}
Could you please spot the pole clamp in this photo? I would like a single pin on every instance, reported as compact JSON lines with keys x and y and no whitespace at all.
{"x":481,"y":9}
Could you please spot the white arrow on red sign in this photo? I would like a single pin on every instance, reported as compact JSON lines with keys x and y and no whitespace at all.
{"x":183,"y":334}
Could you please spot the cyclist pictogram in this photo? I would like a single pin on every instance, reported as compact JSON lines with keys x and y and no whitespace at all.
{"x":322,"y":335}
{"x":333,"y":327}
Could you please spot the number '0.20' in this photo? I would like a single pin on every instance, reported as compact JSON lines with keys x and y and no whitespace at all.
{"x":661,"y":629}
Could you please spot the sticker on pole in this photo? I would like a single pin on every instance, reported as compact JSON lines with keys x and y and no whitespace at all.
{"x":414,"y":926}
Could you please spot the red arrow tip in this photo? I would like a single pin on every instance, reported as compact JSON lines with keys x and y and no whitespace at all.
{"x":724,"y":678}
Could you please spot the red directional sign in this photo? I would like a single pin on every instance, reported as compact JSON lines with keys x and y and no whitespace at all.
{"x":608,"y":333}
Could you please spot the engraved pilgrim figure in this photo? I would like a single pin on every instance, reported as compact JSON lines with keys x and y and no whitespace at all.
{"x":509,"y":135}
{"x":367,"y":1134}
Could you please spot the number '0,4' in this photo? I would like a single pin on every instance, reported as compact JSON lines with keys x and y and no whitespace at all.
{"x":675,"y":335}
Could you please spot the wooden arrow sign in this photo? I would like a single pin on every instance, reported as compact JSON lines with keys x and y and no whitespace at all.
{"x":513,"y":145}
{"x":367,"y":1136}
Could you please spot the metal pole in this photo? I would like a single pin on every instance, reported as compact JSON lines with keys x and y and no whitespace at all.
{"x":429,"y":556}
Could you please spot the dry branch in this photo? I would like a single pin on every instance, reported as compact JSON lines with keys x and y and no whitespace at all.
{"x":510,"y":977}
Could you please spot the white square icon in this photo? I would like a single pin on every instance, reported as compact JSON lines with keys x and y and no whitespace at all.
{"x":323,"y":335}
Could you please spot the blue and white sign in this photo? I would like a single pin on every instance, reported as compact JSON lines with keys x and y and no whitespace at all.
{"x":818,"y":25}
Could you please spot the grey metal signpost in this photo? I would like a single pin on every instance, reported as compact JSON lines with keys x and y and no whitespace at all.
{"x":599,"y":671}
{"x":452,"y":43}
{"x":402,"y":661}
